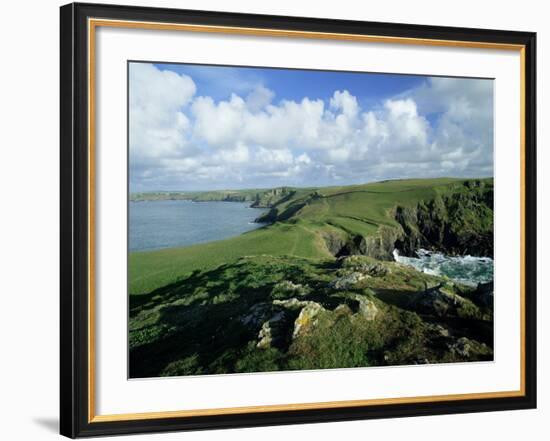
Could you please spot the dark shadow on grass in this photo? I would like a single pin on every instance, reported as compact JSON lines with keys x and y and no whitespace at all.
{"x":399,"y":298}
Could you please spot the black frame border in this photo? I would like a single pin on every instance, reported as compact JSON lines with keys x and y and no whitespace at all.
{"x":74,"y":219}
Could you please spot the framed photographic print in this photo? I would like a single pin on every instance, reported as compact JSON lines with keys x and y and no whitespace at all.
{"x":273,"y":220}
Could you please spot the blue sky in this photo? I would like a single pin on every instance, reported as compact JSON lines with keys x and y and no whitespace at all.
{"x":294,"y":84}
{"x":198,"y":127}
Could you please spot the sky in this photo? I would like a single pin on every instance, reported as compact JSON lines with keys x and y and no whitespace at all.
{"x":195,"y":127}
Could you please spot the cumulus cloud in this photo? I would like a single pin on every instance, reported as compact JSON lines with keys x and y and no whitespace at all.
{"x":181,"y":139}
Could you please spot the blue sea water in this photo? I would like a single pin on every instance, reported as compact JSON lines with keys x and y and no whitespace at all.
{"x":166,"y":224}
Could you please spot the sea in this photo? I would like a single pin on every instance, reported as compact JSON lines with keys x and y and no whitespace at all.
{"x":155,"y":225}
{"x":469,"y":270}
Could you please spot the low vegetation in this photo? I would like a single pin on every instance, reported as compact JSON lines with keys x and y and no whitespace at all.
{"x":316,"y":286}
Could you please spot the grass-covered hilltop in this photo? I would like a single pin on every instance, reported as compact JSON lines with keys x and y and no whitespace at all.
{"x":317,"y":285}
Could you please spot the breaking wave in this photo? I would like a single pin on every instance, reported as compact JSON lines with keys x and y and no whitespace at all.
{"x":464,"y":269}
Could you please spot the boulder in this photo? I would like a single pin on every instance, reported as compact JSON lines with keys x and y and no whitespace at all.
{"x":306,"y":319}
{"x":348,"y":280}
{"x":270,"y":331}
{"x":292,"y":303}
{"x":367,"y":308}
{"x":287,"y":288}
{"x":364,"y":265}
{"x":342,"y":309}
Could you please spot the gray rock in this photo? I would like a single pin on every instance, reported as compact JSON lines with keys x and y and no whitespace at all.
{"x":287,"y":288}
{"x":348,"y":280}
{"x":307,"y":319}
{"x":367,"y":308}
{"x":343,"y":309}
{"x":362,"y":265}
{"x":293,"y":303}
{"x":269,"y":331}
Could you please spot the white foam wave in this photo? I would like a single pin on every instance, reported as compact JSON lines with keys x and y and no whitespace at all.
{"x":465,"y":269}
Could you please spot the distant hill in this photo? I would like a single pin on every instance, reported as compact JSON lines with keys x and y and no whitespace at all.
{"x":259,"y":198}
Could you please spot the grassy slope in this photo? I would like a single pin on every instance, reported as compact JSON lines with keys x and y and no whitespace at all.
{"x":358,"y":209}
{"x":197,"y":326}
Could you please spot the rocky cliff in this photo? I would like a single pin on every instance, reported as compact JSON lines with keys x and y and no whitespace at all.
{"x":457,"y":223}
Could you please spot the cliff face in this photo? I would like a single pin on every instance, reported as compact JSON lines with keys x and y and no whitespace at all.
{"x":457,"y":223}
{"x":270,"y":198}
{"x":379,"y":246}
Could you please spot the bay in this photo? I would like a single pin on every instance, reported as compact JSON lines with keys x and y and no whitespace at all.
{"x":155,"y":225}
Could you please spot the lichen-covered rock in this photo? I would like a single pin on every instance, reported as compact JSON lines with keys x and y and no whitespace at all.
{"x":365,"y":265}
{"x":367,"y":308}
{"x":348,"y":280}
{"x":293,"y":303}
{"x":306,"y":319}
{"x":376,"y":270}
{"x":270,"y":331}
{"x":342,"y":309}
{"x":287,"y":288}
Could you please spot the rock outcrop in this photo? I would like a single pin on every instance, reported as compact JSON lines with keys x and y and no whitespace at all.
{"x":347,"y":281}
{"x":306,"y":319}
{"x":367,"y":308}
{"x":380,"y":245}
{"x":270,"y":331}
{"x":466,"y":348}
{"x":270,"y":198}
{"x":364,"y":265}
{"x":287,"y":288}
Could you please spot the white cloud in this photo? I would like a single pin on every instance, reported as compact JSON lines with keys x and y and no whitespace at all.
{"x":180,"y":140}
{"x":219,"y":124}
{"x":259,"y":98}
{"x":157,"y":99}
{"x":345,"y":102}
